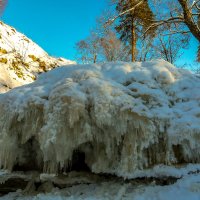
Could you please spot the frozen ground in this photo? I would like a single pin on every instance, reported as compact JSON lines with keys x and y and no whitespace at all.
{"x":186,"y":188}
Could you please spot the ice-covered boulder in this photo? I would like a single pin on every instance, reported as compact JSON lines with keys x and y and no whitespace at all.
{"x":113,"y":118}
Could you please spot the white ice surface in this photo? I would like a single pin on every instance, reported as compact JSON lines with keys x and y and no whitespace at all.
{"x":125,"y":117}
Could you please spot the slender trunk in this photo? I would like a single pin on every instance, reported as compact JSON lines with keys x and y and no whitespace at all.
{"x":95,"y":58}
{"x":164,"y":50}
{"x":133,"y":42}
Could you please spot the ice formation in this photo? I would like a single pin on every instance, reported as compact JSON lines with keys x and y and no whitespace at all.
{"x":115,"y":118}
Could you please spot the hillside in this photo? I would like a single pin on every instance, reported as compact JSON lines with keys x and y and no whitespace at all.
{"x":21,"y":60}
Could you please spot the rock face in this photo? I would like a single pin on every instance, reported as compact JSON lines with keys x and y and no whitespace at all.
{"x":113,"y":118}
{"x":21,"y":60}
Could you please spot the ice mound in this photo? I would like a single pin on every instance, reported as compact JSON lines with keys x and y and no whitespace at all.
{"x":115,"y":118}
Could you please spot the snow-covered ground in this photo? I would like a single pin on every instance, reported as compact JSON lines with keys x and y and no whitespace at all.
{"x":186,"y":188}
{"x":21,"y":60}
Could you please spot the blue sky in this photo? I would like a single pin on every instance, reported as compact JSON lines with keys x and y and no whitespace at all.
{"x":57,"y":25}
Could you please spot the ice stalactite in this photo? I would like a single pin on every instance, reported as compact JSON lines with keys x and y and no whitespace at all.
{"x":98,"y":115}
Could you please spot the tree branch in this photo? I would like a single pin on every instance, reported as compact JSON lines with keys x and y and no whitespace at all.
{"x":125,"y":12}
{"x":195,"y":4}
{"x":162,"y":22}
{"x":176,"y":32}
{"x":188,"y":19}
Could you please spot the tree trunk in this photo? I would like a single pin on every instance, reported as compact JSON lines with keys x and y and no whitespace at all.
{"x":95,"y":58}
{"x":189,"y":20}
{"x":133,"y":42}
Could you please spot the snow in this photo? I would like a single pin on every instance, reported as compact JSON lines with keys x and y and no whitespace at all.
{"x":163,"y":171}
{"x":187,"y":188}
{"x":11,"y":39}
{"x":125,"y":117}
{"x":21,"y":60}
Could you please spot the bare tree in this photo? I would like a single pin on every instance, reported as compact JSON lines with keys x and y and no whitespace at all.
{"x":102,"y":44}
{"x":88,"y":50}
{"x":113,"y":49}
{"x":100,"y":49}
{"x":169,"y":46}
{"x":145,"y":51}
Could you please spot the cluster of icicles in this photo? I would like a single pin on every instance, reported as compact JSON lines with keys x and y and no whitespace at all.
{"x":90,"y":116}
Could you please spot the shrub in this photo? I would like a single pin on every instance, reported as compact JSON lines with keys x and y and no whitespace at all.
{"x":3,"y":51}
{"x":4,"y":60}
{"x":34,"y":58}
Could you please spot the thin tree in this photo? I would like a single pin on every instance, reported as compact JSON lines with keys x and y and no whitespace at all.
{"x":95,"y":49}
{"x":133,"y":21}
{"x":113,"y":49}
{"x":88,"y":50}
{"x":198,"y":51}
{"x":169,"y":47}
{"x":103,"y":44}
{"x":198,"y":54}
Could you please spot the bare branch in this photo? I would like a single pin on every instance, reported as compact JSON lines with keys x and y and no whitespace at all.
{"x":187,"y":17}
{"x":194,"y":4}
{"x":176,"y":32}
{"x":162,"y":22}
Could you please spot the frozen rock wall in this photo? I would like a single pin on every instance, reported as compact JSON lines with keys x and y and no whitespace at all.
{"x":121,"y":116}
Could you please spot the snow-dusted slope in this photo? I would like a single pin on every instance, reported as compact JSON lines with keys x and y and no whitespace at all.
{"x":123,"y":117}
{"x":21,"y":59}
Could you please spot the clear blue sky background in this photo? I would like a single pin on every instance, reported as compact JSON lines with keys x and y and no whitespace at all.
{"x":56,"y":25}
